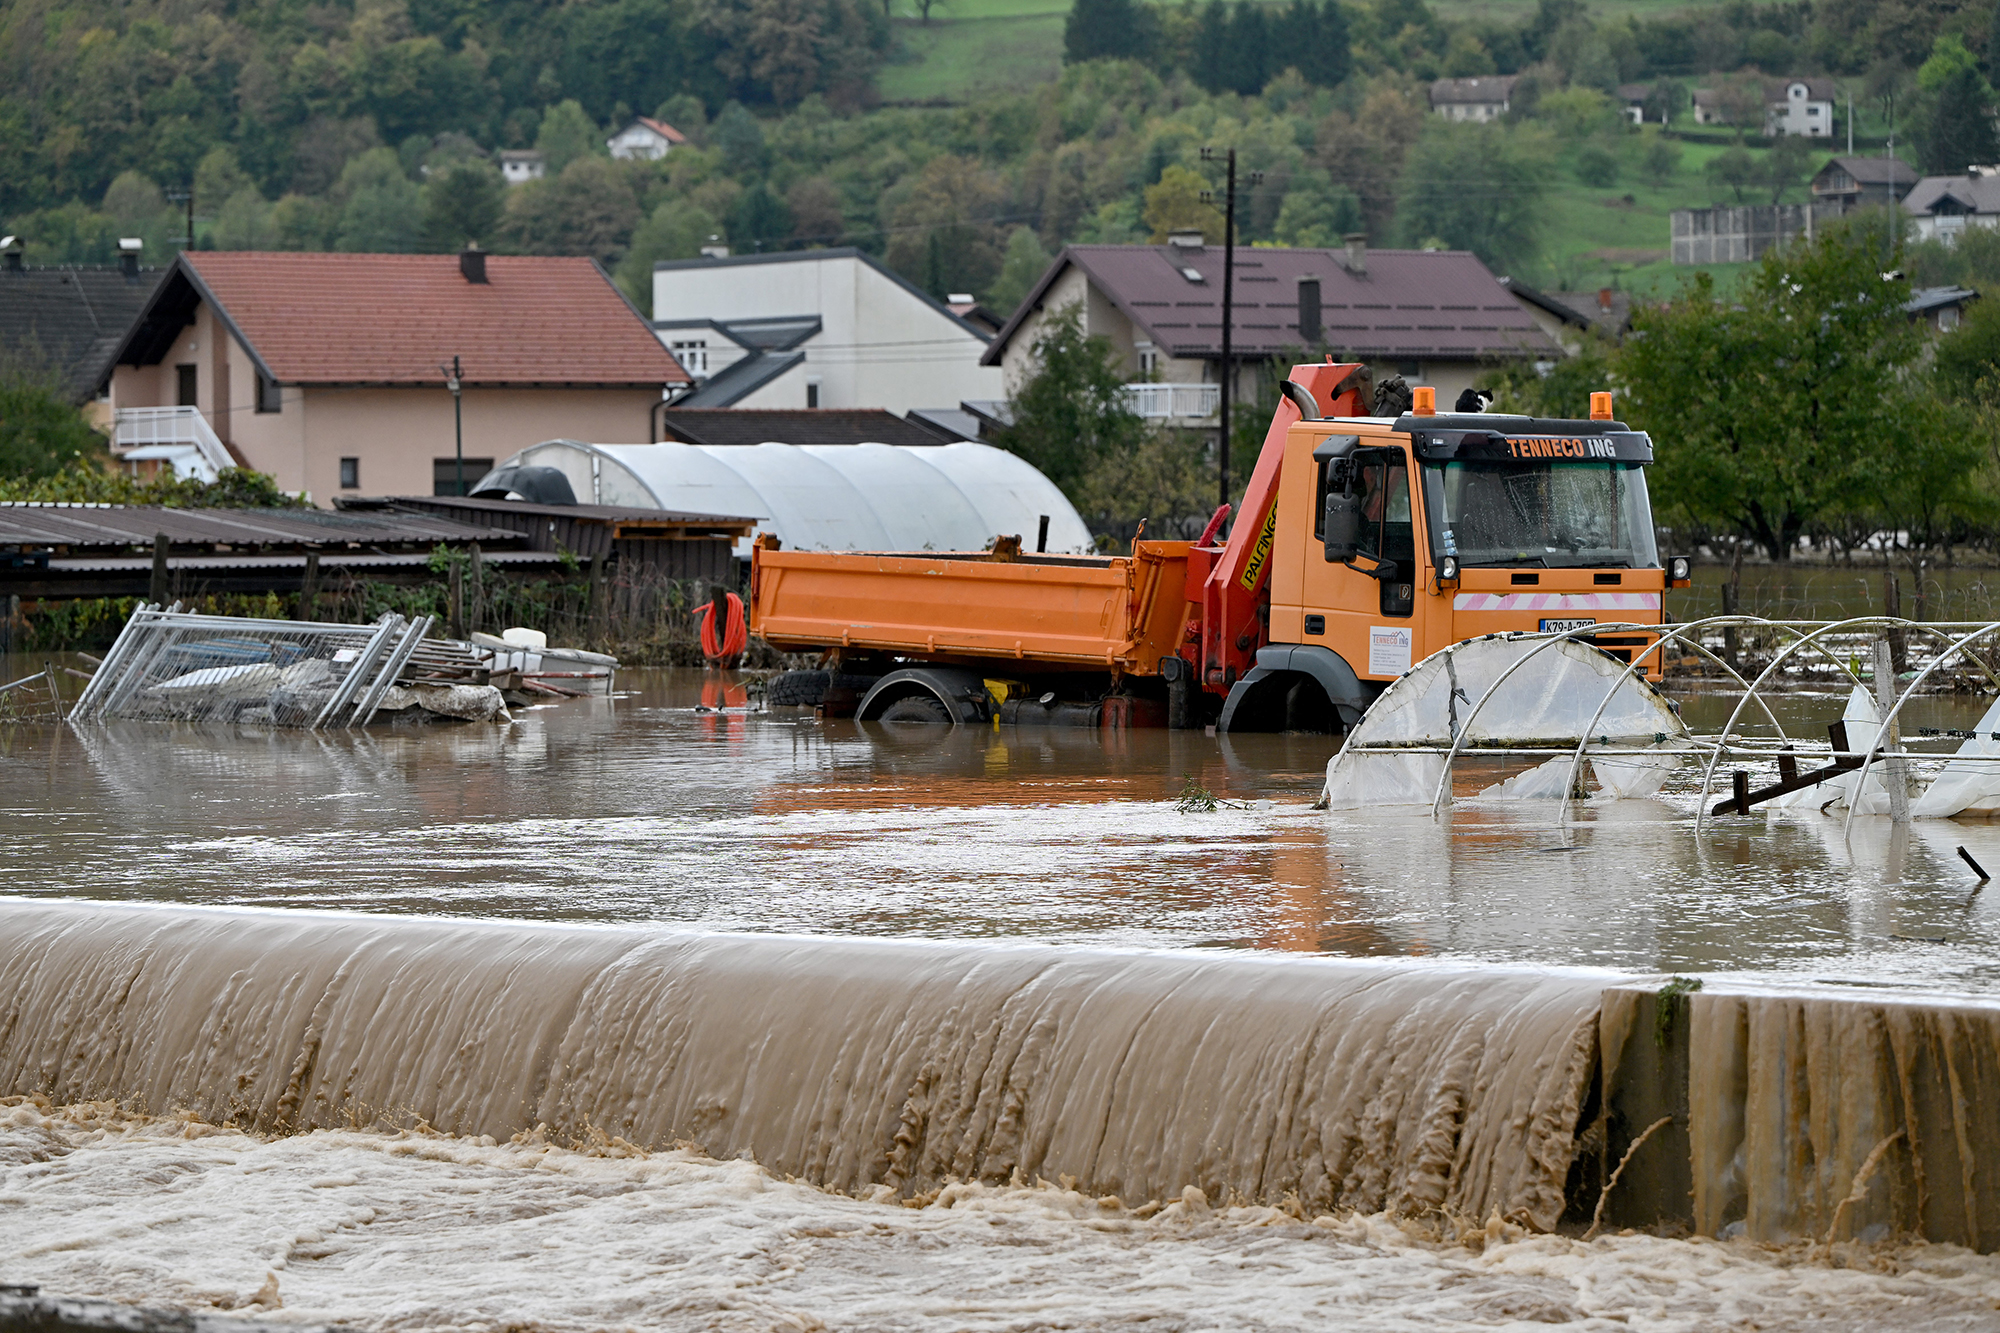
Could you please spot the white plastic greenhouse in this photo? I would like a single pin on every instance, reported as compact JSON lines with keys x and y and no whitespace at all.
{"x":829,"y":497}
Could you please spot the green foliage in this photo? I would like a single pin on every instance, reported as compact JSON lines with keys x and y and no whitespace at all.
{"x":1317,"y":212}
{"x":1021,"y":267}
{"x":84,"y":481}
{"x":1970,"y":353}
{"x":944,"y":234}
{"x":1800,"y":404}
{"x":383,"y":210}
{"x":1115,"y":29}
{"x":1660,"y":159}
{"x":1597,"y":164}
{"x":1563,"y":390}
{"x":567,"y":133}
{"x":40,"y":433}
{"x":1734,"y":170}
{"x":1479,"y":188}
{"x":676,"y":230}
{"x":588,"y":210}
{"x":1071,"y":412}
{"x":461,"y":204}
{"x":1955,"y":113}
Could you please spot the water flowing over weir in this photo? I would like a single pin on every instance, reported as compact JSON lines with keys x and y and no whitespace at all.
{"x":1413,"y":1086}
{"x":851,"y":1063}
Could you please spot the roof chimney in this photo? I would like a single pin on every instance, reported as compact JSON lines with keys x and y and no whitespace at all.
{"x":1604,"y":299}
{"x":472,"y":262}
{"x":1357,"y":251}
{"x":1309,"y":330}
{"x":715,"y":249}
{"x":1185,"y":238}
{"x":12,"y":246}
{"x":128,"y":256}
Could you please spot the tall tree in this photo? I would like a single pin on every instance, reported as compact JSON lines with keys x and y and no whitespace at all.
{"x":461,"y":204}
{"x":1791,"y":402}
{"x":1955,"y":115}
{"x":1479,"y":188}
{"x":1108,"y":30}
{"x":1071,"y":412}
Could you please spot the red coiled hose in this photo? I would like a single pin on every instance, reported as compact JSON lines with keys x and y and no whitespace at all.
{"x":735,"y":633}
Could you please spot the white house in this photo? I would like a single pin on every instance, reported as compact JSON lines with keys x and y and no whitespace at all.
{"x":646,"y":138}
{"x":1798,"y":106}
{"x":1484,"y":98}
{"x":1791,"y":106}
{"x":521,"y":165}
{"x":815,"y":328}
{"x":1942,"y":207}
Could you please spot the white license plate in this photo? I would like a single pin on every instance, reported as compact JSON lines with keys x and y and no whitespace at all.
{"x":1565,"y":626}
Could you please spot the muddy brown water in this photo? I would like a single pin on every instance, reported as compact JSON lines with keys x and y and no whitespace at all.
{"x":645,"y":808}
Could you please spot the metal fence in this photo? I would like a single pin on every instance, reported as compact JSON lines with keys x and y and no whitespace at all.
{"x":36,"y":698}
{"x":170,"y":665}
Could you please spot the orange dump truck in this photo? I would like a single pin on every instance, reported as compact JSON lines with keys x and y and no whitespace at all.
{"x":1363,"y":545}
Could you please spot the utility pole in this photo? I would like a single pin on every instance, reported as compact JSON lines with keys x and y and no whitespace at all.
{"x":451,"y":381}
{"x":187,"y":197}
{"x":1228,"y":156}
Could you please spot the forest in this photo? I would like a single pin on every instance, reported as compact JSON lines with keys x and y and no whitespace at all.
{"x":376,"y":126}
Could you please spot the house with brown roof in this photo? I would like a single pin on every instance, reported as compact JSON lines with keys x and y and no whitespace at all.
{"x":1436,"y":317}
{"x":329,"y":371}
{"x":645,"y":138}
{"x":1862,"y":182}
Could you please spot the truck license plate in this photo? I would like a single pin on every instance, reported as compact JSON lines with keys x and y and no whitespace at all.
{"x":1565,"y":626}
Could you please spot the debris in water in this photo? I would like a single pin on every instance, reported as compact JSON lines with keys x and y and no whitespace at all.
{"x":169,"y":665}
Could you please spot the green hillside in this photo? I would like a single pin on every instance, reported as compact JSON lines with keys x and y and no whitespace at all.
{"x":964,"y":146}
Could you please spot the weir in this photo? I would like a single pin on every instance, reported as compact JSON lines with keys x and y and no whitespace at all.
{"x":1415,"y":1086}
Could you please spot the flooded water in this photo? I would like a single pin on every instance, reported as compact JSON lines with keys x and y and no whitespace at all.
{"x":644,"y":808}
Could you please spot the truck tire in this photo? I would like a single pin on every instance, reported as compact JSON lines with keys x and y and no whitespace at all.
{"x":807,"y":689}
{"x":796,"y":689}
{"x":919,"y":709}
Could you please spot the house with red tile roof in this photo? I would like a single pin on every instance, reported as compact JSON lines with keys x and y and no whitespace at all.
{"x":330,"y":371}
{"x":1436,"y":317}
{"x":645,"y":137}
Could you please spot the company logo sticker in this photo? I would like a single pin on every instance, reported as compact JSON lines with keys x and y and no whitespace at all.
{"x":1389,"y":649}
{"x":1260,"y":554}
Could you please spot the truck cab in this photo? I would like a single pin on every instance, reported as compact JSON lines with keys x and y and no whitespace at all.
{"x":1392,"y":538}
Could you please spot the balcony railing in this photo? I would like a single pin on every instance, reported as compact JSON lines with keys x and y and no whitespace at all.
{"x":177,"y":435}
{"x":1163,"y":402}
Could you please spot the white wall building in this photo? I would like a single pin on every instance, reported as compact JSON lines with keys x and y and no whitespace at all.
{"x":645,"y":138}
{"x":1485,"y":98}
{"x":1799,"y":106}
{"x":518,"y":166}
{"x":815,"y":328}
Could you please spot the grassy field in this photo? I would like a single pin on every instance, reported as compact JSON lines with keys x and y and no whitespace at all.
{"x":975,"y":46}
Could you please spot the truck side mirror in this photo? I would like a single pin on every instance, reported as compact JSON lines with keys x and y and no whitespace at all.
{"x":1342,"y":527}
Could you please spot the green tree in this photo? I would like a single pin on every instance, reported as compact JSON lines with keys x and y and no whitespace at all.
{"x":1970,"y":353}
{"x":1316,"y":211}
{"x":942,"y":234}
{"x":760,"y":221}
{"x":567,"y":133}
{"x":462,"y":203}
{"x":677,"y":229}
{"x":1108,"y":30}
{"x":1312,"y":38}
{"x":1955,"y":115}
{"x":1660,"y":159}
{"x":740,"y":139}
{"x":1734,"y":169}
{"x":1790,"y":404}
{"x":1784,"y":167}
{"x":1478,"y":188}
{"x":40,"y":431}
{"x":383,"y":211}
{"x":1174,"y":203}
{"x":587,"y":210}
{"x":1597,"y":164}
{"x":1021,"y":267}
{"x":244,"y":222}
{"x":1071,"y":413}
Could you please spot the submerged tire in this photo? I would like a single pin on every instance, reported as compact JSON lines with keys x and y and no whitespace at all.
{"x":919,"y":709}
{"x":797,"y":689}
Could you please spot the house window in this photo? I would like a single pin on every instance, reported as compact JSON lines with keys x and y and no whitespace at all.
{"x":1947,"y":319}
{"x":444,"y":474}
{"x":692,"y":353}
{"x":812,"y":393}
{"x":350,"y":474}
{"x":184,"y":377}
{"x":1409,"y":370}
{"x":270,"y":398}
{"x":1149,"y":361}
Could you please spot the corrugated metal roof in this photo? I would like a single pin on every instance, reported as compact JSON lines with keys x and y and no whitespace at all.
{"x":1400,"y":305}
{"x":101,"y":525}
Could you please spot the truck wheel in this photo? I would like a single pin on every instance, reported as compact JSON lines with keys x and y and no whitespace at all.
{"x":796,"y":689}
{"x":916,"y":708}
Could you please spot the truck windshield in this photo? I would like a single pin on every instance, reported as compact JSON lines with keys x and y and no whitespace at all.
{"x":1549,"y":514}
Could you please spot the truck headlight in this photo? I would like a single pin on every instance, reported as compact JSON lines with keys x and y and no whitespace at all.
{"x":1680,"y":570}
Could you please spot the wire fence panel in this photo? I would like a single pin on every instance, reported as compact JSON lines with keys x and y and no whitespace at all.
{"x":168,"y":665}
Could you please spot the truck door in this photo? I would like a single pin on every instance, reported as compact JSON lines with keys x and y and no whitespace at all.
{"x":1367,"y":620}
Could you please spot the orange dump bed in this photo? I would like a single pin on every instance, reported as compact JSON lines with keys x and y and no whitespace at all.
{"x":1121,"y":612}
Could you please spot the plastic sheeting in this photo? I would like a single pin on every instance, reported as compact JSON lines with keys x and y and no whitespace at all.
{"x":1970,"y":783}
{"x":1864,"y":723}
{"x":851,"y":497}
{"x":1541,"y":703}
